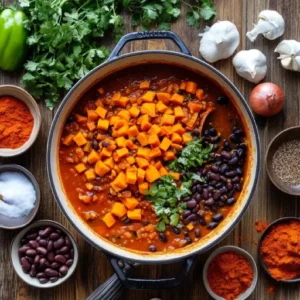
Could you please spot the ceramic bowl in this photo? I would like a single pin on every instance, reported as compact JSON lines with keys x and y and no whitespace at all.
{"x":237,"y":250}
{"x":266,"y":231}
{"x":19,"y":93}
{"x":281,"y":138}
{"x":14,"y":223}
{"x":16,"y":243}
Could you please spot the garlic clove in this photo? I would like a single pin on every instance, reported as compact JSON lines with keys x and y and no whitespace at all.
{"x":270,"y":23}
{"x":286,"y":62}
{"x":219,"y":41}
{"x":289,"y":51}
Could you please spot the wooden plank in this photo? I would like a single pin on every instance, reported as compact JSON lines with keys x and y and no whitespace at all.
{"x":268,"y":203}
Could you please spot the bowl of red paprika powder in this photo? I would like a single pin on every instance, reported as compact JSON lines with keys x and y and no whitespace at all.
{"x":230,"y":273}
{"x":20,"y":120}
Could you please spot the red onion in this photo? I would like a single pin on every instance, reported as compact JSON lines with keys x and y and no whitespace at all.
{"x":267,"y":99}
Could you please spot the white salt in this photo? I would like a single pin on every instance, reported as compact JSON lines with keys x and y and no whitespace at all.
{"x":17,"y":193}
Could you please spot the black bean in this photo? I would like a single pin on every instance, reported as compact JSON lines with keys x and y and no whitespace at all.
{"x":204,"y":171}
{"x":239,"y":132}
{"x":222,"y":100}
{"x":201,"y":213}
{"x":212,"y":132}
{"x":214,"y":208}
{"x":54,"y":279}
{"x":235,"y":138}
{"x":199,"y":188}
{"x":64,"y":250}
{"x":40,"y":275}
{"x":95,"y":144}
{"x":194,"y":189}
{"x":226,"y":155}
{"x":50,"y":272}
{"x":186,"y":214}
{"x":163,"y":237}
{"x":223,"y":169}
{"x":223,"y":190}
{"x":186,"y":233}
{"x":69,"y":262}
{"x":233,"y":161}
{"x":215,"y":147}
{"x":230,"y":201}
{"x":216,"y":195}
{"x":43,"y":261}
{"x":127,"y":221}
{"x":36,"y":260}
{"x":197,"y":233}
{"x":25,"y":264}
{"x":33,"y":244}
{"x":202,"y":222}
{"x":68,"y":242}
{"x":220,"y":204}
{"x":60,"y":258}
{"x":185,"y":199}
{"x":231,"y":173}
{"x":30,"y":259}
{"x":216,"y":139}
{"x":209,"y":202}
{"x":63,"y":270}
{"x":195,"y":132}
{"x":59,"y":243}
{"x":152,"y":248}
{"x":235,"y":179}
{"x":54,"y":236}
{"x":47,"y":232}
{"x":42,"y":250}
{"x":176,"y":230}
{"x":229,"y":186}
{"x":230,"y":194}
{"x":241,"y":152}
{"x":50,"y":256}
{"x":198,"y":197}
{"x":55,"y":265}
{"x":192,"y":217}
{"x":188,"y":239}
{"x":214,"y":168}
{"x":218,"y":217}
{"x":205,"y":193}
{"x":191,"y":204}
{"x":50,"y":246}
{"x":195,"y":210}
{"x":31,"y":252}
{"x":237,"y":187}
{"x":239,"y":171}
{"x":23,"y":250}
{"x":242,"y":146}
{"x":43,"y":243}
{"x":212,"y":225}
{"x":218,"y":185}
{"x":43,"y":280}
{"x":214,"y":176}
{"x":32,"y":272}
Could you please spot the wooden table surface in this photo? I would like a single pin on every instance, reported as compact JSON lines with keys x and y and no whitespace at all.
{"x":268,"y":203}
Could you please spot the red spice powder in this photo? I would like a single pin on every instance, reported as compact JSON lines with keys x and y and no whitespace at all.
{"x":261,"y":225}
{"x":16,"y":122}
{"x":229,"y":274}
{"x":271,"y":290}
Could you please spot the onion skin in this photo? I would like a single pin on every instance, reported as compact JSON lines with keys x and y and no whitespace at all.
{"x":267,"y":99}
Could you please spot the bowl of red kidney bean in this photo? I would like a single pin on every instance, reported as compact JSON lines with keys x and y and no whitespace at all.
{"x":44,"y":254}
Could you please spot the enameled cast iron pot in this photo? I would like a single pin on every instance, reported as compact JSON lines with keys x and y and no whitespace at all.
{"x":113,"y":64}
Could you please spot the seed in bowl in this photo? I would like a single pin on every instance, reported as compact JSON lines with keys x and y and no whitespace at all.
{"x":46,"y":253}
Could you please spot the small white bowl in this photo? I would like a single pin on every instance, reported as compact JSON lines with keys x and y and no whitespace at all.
{"x":16,"y":243}
{"x":22,"y":95}
{"x":240,"y":251}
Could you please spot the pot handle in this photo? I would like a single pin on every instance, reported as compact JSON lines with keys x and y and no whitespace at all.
{"x":149,"y":35}
{"x":152,"y":284}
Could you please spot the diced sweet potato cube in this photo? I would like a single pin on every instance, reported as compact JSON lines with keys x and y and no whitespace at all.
{"x":155,"y":129}
{"x":191,"y":87}
{"x":191,"y":122}
{"x":109,"y":220}
{"x":90,"y":175}
{"x":121,"y":142}
{"x":178,"y":112}
{"x":133,"y":130}
{"x":186,"y":138}
{"x":116,"y":96}
{"x":123,"y":131}
{"x":166,"y":130}
{"x":113,"y":120}
{"x":142,"y":162}
{"x":140,"y":175}
{"x":177,"y":128}
{"x":194,"y":107}
{"x":67,"y":140}
{"x":143,"y":152}
{"x":182,"y":85}
{"x":158,"y":165}
{"x":105,"y":152}
{"x":131,"y":145}
{"x":177,"y":98}
{"x":124,"y":114}
{"x":148,"y":108}
{"x":199,"y":94}
{"x":91,"y":126}
{"x":100,"y":90}
{"x":92,"y":115}
{"x":80,"y":167}
{"x":175,"y":175}
{"x":143,"y":187}
{"x":103,"y":124}
{"x":93,"y":157}
{"x":167,"y":120}
{"x":155,"y":152}
{"x":169,"y":111}
{"x":135,"y":214}
{"x":80,"y":119}
{"x":79,"y":139}
{"x":101,"y":112}
{"x":176,"y":138}
{"x":134,"y":111}
{"x":131,"y":202}
{"x":148,"y":96}
{"x":145,"y":124}
{"x":87,"y":147}
{"x":123,"y":101}
{"x":120,"y":181}
{"x":163,"y":171}
{"x":163,"y":97}
{"x":145,"y":85}
{"x":123,"y":152}
{"x":176,"y":146}
{"x":89,"y":186}
{"x":143,"y":139}
{"x":169,"y":155}
{"x":130,"y":160}
{"x":101,"y":168}
{"x":131,"y":175}
{"x":118,"y":209}
{"x":79,"y":152}
{"x":109,"y":162}
{"x":165,"y":144}
{"x":153,"y":140}
{"x":161,"y":107}
{"x":152,"y":174}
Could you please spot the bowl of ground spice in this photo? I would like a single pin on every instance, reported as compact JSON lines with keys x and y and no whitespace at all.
{"x":283,"y":161}
{"x":230,"y":273}
{"x":20,"y":120}
{"x":279,"y":250}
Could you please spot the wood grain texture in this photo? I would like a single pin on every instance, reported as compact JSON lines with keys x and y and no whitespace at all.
{"x":268,"y":203}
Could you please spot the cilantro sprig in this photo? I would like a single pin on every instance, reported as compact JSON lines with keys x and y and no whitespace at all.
{"x":193,"y":155}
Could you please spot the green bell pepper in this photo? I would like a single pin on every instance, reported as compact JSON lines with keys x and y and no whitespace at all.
{"x":13,"y":36}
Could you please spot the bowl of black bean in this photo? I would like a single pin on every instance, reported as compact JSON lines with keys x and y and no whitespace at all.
{"x":44,"y":254}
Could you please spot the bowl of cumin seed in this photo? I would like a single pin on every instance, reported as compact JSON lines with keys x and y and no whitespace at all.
{"x":283,"y":161}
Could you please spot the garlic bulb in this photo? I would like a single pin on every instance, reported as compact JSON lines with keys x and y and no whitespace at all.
{"x":270,"y":24}
{"x":251,"y":65}
{"x":289,"y":51}
{"x":219,"y":41}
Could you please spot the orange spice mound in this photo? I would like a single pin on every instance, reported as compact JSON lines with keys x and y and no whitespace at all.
{"x":261,"y":225}
{"x":280,"y":250}
{"x":229,"y":274}
{"x":16,"y":122}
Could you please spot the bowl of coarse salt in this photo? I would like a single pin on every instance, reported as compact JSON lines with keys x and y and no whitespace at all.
{"x":19,"y":196}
